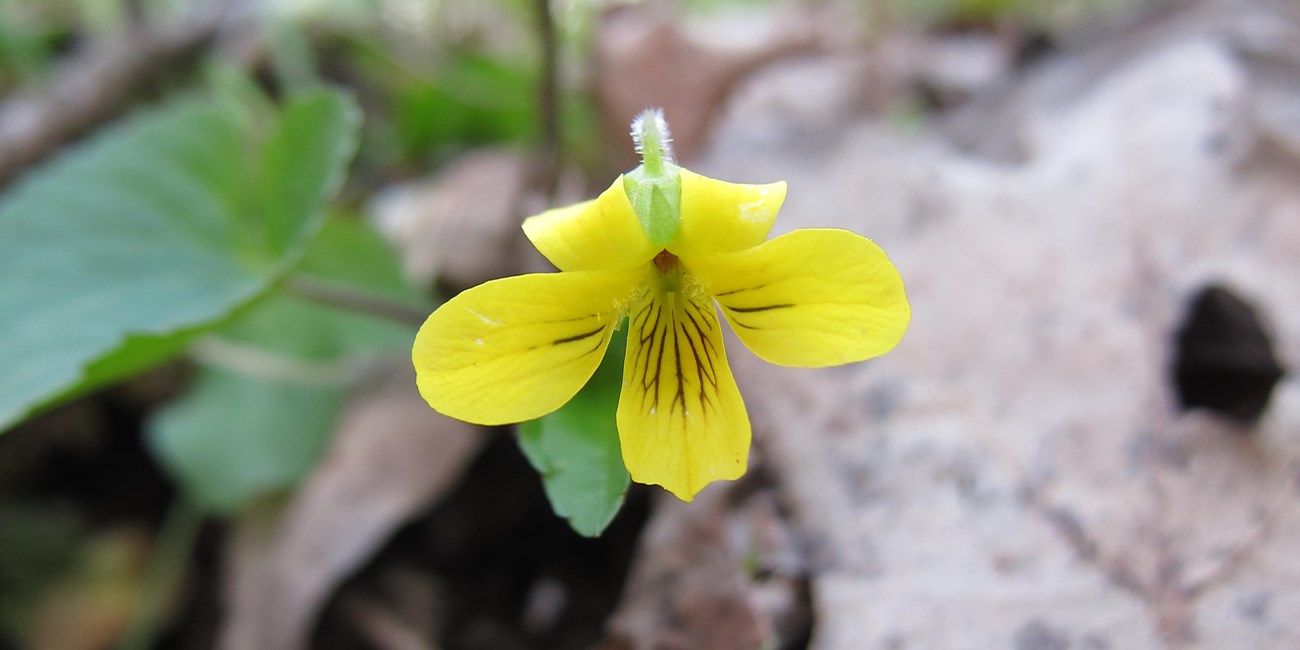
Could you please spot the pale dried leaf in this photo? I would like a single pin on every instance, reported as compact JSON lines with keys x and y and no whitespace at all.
{"x":462,"y":226}
{"x":644,"y":58}
{"x":687,"y":588}
{"x":1017,"y":474}
{"x":393,"y":457}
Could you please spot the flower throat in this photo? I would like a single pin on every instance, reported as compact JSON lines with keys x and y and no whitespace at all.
{"x":670,"y":271}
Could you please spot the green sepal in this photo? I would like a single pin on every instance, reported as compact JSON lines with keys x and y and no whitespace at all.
{"x":657,"y":201}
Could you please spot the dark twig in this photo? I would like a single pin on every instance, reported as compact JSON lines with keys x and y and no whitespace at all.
{"x":548,"y":102}
{"x":134,"y":11}
{"x":95,"y":85}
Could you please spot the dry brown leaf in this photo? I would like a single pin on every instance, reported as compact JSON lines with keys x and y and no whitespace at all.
{"x":91,"y":607}
{"x":1017,"y":474}
{"x":462,"y":226}
{"x":392,"y":458}
{"x":644,"y":59}
{"x":687,"y":588}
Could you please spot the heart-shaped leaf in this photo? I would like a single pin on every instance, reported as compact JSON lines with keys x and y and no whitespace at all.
{"x":273,"y":381}
{"x":117,"y":254}
{"x":576,"y":449}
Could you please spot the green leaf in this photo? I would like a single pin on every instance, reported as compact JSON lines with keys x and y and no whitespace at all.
{"x":124,"y":249}
{"x":302,"y":166}
{"x":576,"y":449}
{"x":350,"y":254}
{"x":267,"y":398}
{"x":472,"y":100}
{"x":236,"y":437}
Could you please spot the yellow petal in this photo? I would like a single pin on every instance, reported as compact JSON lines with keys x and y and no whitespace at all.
{"x":681,"y":421}
{"x":720,"y":217}
{"x":603,"y":233}
{"x":811,"y":298}
{"x":518,"y":348}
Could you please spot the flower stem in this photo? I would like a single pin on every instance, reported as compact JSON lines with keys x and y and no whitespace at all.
{"x":653,"y":142}
{"x":355,"y":300}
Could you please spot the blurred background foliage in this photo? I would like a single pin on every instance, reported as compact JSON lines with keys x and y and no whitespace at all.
{"x":263,"y":355}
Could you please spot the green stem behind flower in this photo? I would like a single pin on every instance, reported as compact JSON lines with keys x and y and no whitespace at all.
{"x":355,"y":300}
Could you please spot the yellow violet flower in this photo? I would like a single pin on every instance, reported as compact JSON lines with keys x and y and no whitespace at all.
{"x":661,"y":246}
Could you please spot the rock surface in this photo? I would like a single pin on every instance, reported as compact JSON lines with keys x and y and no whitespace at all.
{"x":1018,"y":473}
